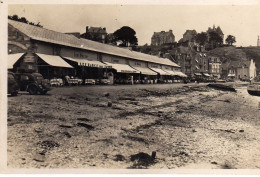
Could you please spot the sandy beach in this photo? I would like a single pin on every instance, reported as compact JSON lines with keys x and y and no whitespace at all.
{"x":119,"y":127}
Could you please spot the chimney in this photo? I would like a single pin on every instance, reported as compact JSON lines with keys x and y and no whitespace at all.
{"x":86,"y":29}
{"x":170,"y":31}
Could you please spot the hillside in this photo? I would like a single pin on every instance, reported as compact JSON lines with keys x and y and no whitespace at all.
{"x":253,"y":52}
{"x":240,"y":53}
{"x":231,"y":52}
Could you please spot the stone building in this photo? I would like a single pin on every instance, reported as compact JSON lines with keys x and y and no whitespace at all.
{"x":162,"y":37}
{"x":193,"y":60}
{"x":218,"y":30}
{"x":95,"y":34}
{"x":212,"y":44}
{"x":241,"y":69}
{"x":189,"y":35}
{"x":55,"y":54}
{"x":214,"y":66}
{"x":246,"y":70}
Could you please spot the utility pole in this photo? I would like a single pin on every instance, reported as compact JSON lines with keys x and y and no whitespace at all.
{"x":258,"y":42}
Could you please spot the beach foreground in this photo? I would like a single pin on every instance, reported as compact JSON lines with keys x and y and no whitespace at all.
{"x":183,"y":125}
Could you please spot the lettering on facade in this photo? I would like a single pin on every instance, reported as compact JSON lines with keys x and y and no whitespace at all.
{"x":116,"y":61}
{"x":80,"y":55}
{"x":154,"y":66}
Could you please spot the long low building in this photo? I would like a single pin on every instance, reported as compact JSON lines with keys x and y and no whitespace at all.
{"x":56,"y":54}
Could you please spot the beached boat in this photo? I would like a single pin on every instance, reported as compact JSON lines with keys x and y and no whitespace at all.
{"x":254,"y":89}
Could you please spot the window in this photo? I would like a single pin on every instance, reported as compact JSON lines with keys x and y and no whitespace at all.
{"x":116,"y":61}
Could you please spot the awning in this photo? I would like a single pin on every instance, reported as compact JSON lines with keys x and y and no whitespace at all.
{"x":206,"y":74}
{"x":172,"y":73}
{"x":197,"y":74}
{"x":12,"y":59}
{"x":122,"y":68}
{"x":160,"y":71}
{"x":181,"y":74}
{"x":145,"y":71}
{"x":231,"y":75}
{"x":89,"y":63}
{"x":54,"y":60}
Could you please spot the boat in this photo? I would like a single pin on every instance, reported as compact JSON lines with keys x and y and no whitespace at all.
{"x":254,"y":89}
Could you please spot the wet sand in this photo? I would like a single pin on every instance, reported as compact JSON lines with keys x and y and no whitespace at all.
{"x":188,"y":126}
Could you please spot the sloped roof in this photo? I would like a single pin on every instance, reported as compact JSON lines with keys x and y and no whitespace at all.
{"x":96,"y":30}
{"x":219,"y":30}
{"x":193,"y":32}
{"x":50,"y":36}
{"x":234,"y":64}
{"x":162,"y":33}
{"x":244,"y":63}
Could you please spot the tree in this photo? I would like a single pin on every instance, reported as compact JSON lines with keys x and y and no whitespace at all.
{"x":230,"y":39}
{"x":23,"y":20}
{"x":126,"y":36}
{"x":201,"y":38}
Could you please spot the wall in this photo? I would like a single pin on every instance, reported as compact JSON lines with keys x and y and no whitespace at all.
{"x":252,"y":69}
{"x":166,"y":67}
{"x":113,"y":59}
{"x":18,"y":42}
{"x":152,"y":65}
{"x":54,"y":49}
{"x":137,"y":63}
{"x":242,"y":72}
{"x":44,"y":48}
{"x":78,"y":53}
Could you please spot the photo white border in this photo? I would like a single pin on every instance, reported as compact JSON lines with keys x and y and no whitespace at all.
{"x":3,"y":88}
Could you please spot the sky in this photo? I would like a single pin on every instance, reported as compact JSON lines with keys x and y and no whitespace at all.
{"x":242,"y":21}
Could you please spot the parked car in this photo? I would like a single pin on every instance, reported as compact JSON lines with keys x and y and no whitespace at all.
{"x":90,"y":81}
{"x":104,"y":81}
{"x":13,"y":86}
{"x":33,"y":83}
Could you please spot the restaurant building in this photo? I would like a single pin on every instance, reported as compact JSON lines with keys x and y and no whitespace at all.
{"x":55,"y":54}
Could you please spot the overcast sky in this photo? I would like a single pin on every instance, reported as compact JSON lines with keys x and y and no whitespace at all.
{"x":241,"y":21}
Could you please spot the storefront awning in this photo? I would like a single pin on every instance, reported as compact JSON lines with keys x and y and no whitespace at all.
{"x":206,"y":74}
{"x":160,"y":71}
{"x":181,"y":74}
{"x":54,"y":60}
{"x":231,"y":75}
{"x":89,"y":63}
{"x":145,"y":71}
{"x":197,"y":74}
{"x":172,"y":73}
{"x":122,"y":68}
{"x":12,"y":59}
{"x":176,"y":73}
